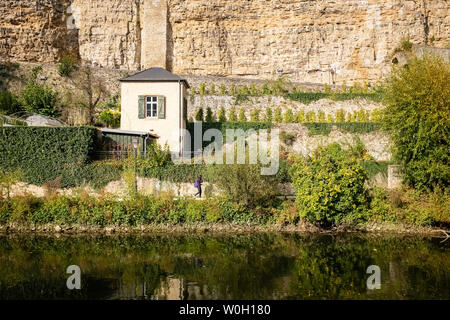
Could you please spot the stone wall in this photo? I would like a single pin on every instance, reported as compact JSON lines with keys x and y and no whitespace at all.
{"x":318,"y":41}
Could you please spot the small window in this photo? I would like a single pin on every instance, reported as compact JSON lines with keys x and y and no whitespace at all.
{"x":151,"y":107}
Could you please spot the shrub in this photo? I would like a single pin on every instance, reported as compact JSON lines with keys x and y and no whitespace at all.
{"x":242,"y":116}
{"x":254,"y":115}
{"x":288,"y":116}
{"x":212,"y":89}
{"x":222,"y":89}
{"x":340,"y":115}
{"x":233,"y":89}
{"x":199,"y":114}
{"x":221,"y":115}
{"x":232,"y":115}
{"x":65,"y":66}
{"x":268,"y":116}
{"x":417,"y":116}
{"x":321,"y":116}
{"x":9,"y":103}
{"x":243,"y":183}
{"x":202,"y":89}
{"x":329,"y":186}
{"x":39,"y":99}
{"x":110,"y":118}
{"x":311,"y":116}
{"x":278,"y":118}
{"x":209,"y":115}
{"x":300,"y":116}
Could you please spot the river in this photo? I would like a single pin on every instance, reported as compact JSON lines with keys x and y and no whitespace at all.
{"x":251,"y":266}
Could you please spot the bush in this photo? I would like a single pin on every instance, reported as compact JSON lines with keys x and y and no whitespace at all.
{"x":39,"y":99}
{"x":329,"y":186}
{"x":44,"y":153}
{"x":8,"y":103}
{"x":221,"y":115}
{"x":242,"y":117}
{"x":199,"y":115}
{"x":243,"y":183}
{"x":417,"y":116}
{"x":65,"y":66}
{"x":110,"y":118}
{"x":209,"y":115}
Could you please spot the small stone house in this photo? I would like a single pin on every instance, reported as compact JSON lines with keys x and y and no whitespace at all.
{"x":155,"y":101}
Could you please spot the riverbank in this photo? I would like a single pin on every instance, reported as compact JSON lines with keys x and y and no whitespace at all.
{"x":303,"y":227}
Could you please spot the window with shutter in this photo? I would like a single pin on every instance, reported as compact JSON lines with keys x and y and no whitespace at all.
{"x":161,"y":107}
{"x":141,"y":104}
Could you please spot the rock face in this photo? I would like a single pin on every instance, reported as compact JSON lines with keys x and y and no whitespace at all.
{"x":321,"y":41}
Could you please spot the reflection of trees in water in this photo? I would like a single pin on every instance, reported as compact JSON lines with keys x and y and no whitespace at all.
{"x":263,"y":266}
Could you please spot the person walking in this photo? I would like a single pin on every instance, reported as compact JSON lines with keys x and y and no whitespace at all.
{"x":198,"y":185}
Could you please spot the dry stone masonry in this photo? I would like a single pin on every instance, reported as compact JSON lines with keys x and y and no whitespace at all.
{"x":321,"y":41}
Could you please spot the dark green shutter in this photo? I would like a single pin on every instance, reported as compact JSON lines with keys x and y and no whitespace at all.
{"x":161,"y":107}
{"x":141,"y":112}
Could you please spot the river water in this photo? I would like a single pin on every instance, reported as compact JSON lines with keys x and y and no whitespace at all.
{"x":261,"y":266}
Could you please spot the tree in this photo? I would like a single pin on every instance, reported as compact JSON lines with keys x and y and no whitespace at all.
{"x":209,"y":115}
{"x":221,"y":115}
{"x":93,"y":90}
{"x":417,"y":116}
{"x":65,"y":66}
{"x":40,"y":99}
{"x":268,"y":117}
{"x":288,"y":116}
{"x":242,"y":116}
{"x":199,"y":114}
{"x":278,"y":118}
{"x":329,"y":185}
{"x":9,"y":103}
{"x":232,"y":114}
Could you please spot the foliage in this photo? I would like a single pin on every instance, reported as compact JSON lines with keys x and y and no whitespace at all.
{"x":300,"y":117}
{"x":209,"y":115}
{"x":222,"y":89}
{"x":317,"y":128}
{"x":288,"y":116}
{"x":417,"y":116}
{"x":254,"y":115}
{"x":212,"y":89}
{"x":9,"y":103}
{"x":308,"y":97}
{"x":110,"y":118}
{"x":65,"y":66}
{"x":311,"y":116}
{"x":243,"y":183}
{"x":199,"y":114}
{"x":7,"y":180}
{"x":329,"y":186}
{"x":242,"y":116}
{"x":232,"y":115}
{"x":268,"y":116}
{"x":278,"y":118}
{"x":202,"y":89}
{"x":157,"y":156}
{"x":40,"y":99}
{"x":222,"y":115}
{"x":44,"y":153}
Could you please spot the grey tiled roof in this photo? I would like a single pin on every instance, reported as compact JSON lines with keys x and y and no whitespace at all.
{"x":154,"y":75}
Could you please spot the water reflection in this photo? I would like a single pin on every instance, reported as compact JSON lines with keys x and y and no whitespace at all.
{"x":264,"y":266}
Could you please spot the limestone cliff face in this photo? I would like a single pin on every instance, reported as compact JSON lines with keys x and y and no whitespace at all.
{"x":32,"y":30}
{"x":308,"y":40}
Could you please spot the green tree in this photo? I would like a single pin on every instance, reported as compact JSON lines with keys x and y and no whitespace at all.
{"x":66,"y":66}
{"x":340,"y":115}
{"x":288,"y":116}
{"x":232,"y":114}
{"x":254,"y":115}
{"x":242,"y":116}
{"x":209,"y":115}
{"x":321,"y":116}
{"x":311,"y":116}
{"x":329,"y":186}
{"x":222,"y":115}
{"x":202,"y":90}
{"x":199,"y":115}
{"x":278,"y":117}
{"x":9,"y":103}
{"x":268,"y":117}
{"x":300,"y":116}
{"x":222,"y":89}
{"x":417,"y":116}
{"x":233,"y":89}
{"x":212,"y":89}
{"x":39,"y":99}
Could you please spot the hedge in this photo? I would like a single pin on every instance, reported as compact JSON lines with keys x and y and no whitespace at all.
{"x":324,"y":128}
{"x":46,"y":153}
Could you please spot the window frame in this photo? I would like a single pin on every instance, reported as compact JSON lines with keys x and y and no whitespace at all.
{"x":152,"y":103}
